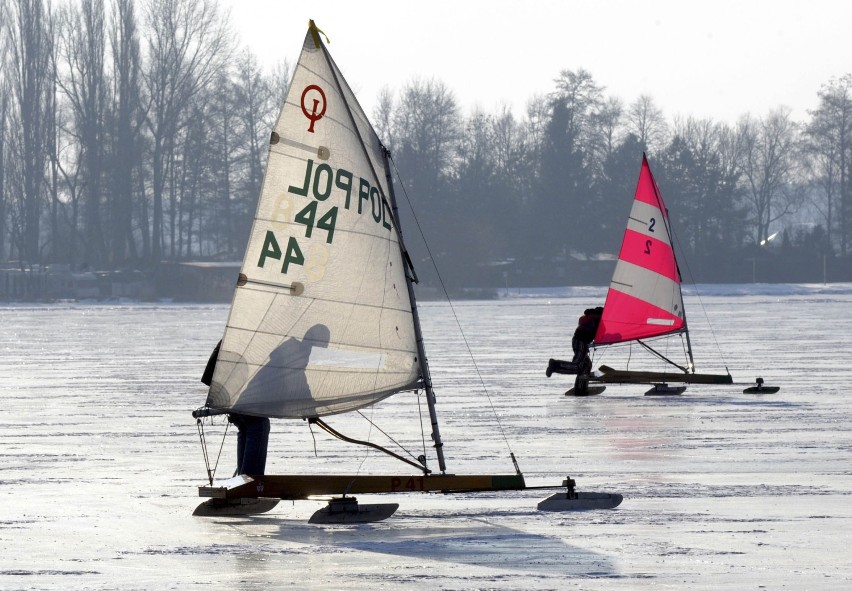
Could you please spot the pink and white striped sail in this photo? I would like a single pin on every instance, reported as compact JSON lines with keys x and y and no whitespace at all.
{"x":644,"y":298}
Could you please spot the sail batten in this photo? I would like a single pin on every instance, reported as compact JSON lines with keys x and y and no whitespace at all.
{"x":343,"y":338}
{"x":644,"y":298}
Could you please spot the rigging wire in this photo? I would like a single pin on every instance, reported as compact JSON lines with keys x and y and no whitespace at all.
{"x":314,"y":437}
{"x":700,"y":302}
{"x":210,"y":472}
{"x":644,"y":343}
{"x":369,"y":434}
{"x":419,"y":462}
{"x":449,"y":301}
{"x":629,"y":356}
{"x":379,"y":429}
{"x":200,"y":427}
{"x":331,"y":431}
{"x":373,"y":425}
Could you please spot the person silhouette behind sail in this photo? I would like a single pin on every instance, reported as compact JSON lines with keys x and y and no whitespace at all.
{"x":280,"y":387}
{"x":583,"y":336}
{"x":283,"y":377}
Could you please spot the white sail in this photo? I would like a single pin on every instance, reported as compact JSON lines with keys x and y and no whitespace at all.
{"x":321,"y":321}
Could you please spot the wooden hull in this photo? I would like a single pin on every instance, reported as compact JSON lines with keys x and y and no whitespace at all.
{"x":617,"y":376}
{"x":295,"y":487}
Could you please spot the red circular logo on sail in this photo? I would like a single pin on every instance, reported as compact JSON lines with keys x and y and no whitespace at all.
{"x":313,"y":113}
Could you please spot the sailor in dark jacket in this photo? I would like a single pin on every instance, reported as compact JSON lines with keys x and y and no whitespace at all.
{"x":252,"y":432}
{"x":584,"y":334}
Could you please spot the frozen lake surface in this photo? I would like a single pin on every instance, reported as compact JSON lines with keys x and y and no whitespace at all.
{"x":100,"y":458}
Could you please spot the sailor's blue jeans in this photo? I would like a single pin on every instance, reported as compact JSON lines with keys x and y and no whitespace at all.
{"x":252,"y":442}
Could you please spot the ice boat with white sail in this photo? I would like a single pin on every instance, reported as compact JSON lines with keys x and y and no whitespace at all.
{"x":323,"y":319}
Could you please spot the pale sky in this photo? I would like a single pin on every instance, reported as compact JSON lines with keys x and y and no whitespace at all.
{"x":718,"y":59}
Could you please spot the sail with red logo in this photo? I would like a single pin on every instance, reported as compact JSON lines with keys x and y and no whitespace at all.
{"x":644,"y":298}
{"x":321,"y":321}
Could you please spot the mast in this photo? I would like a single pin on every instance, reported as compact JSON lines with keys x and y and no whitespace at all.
{"x":421,"y":349}
{"x":691,"y":366}
{"x":689,"y":349}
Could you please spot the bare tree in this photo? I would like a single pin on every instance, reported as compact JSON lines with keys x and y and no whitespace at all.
{"x":28,"y":65}
{"x":205,"y":168}
{"x":582,"y":99}
{"x":571,"y":158}
{"x":474,"y":181}
{"x":127,"y":120}
{"x":646,"y":121}
{"x":767,"y":163}
{"x":535,"y":126}
{"x":537,"y":110}
{"x":509,"y":145}
{"x":701,"y":182}
{"x":514,"y":178}
{"x":609,"y":124}
{"x":829,"y":145}
{"x":211,"y":171}
{"x":187,"y":45}
{"x":257,"y":100}
{"x":67,"y":202}
{"x":383,"y":117}
{"x":82,"y":79}
{"x":426,"y":124}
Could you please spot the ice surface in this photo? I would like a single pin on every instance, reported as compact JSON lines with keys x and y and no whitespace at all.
{"x":100,"y":458}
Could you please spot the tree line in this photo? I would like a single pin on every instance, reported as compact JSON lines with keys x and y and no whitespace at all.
{"x":134,"y":133}
{"x":130,"y":132}
{"x":558,"y":183}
